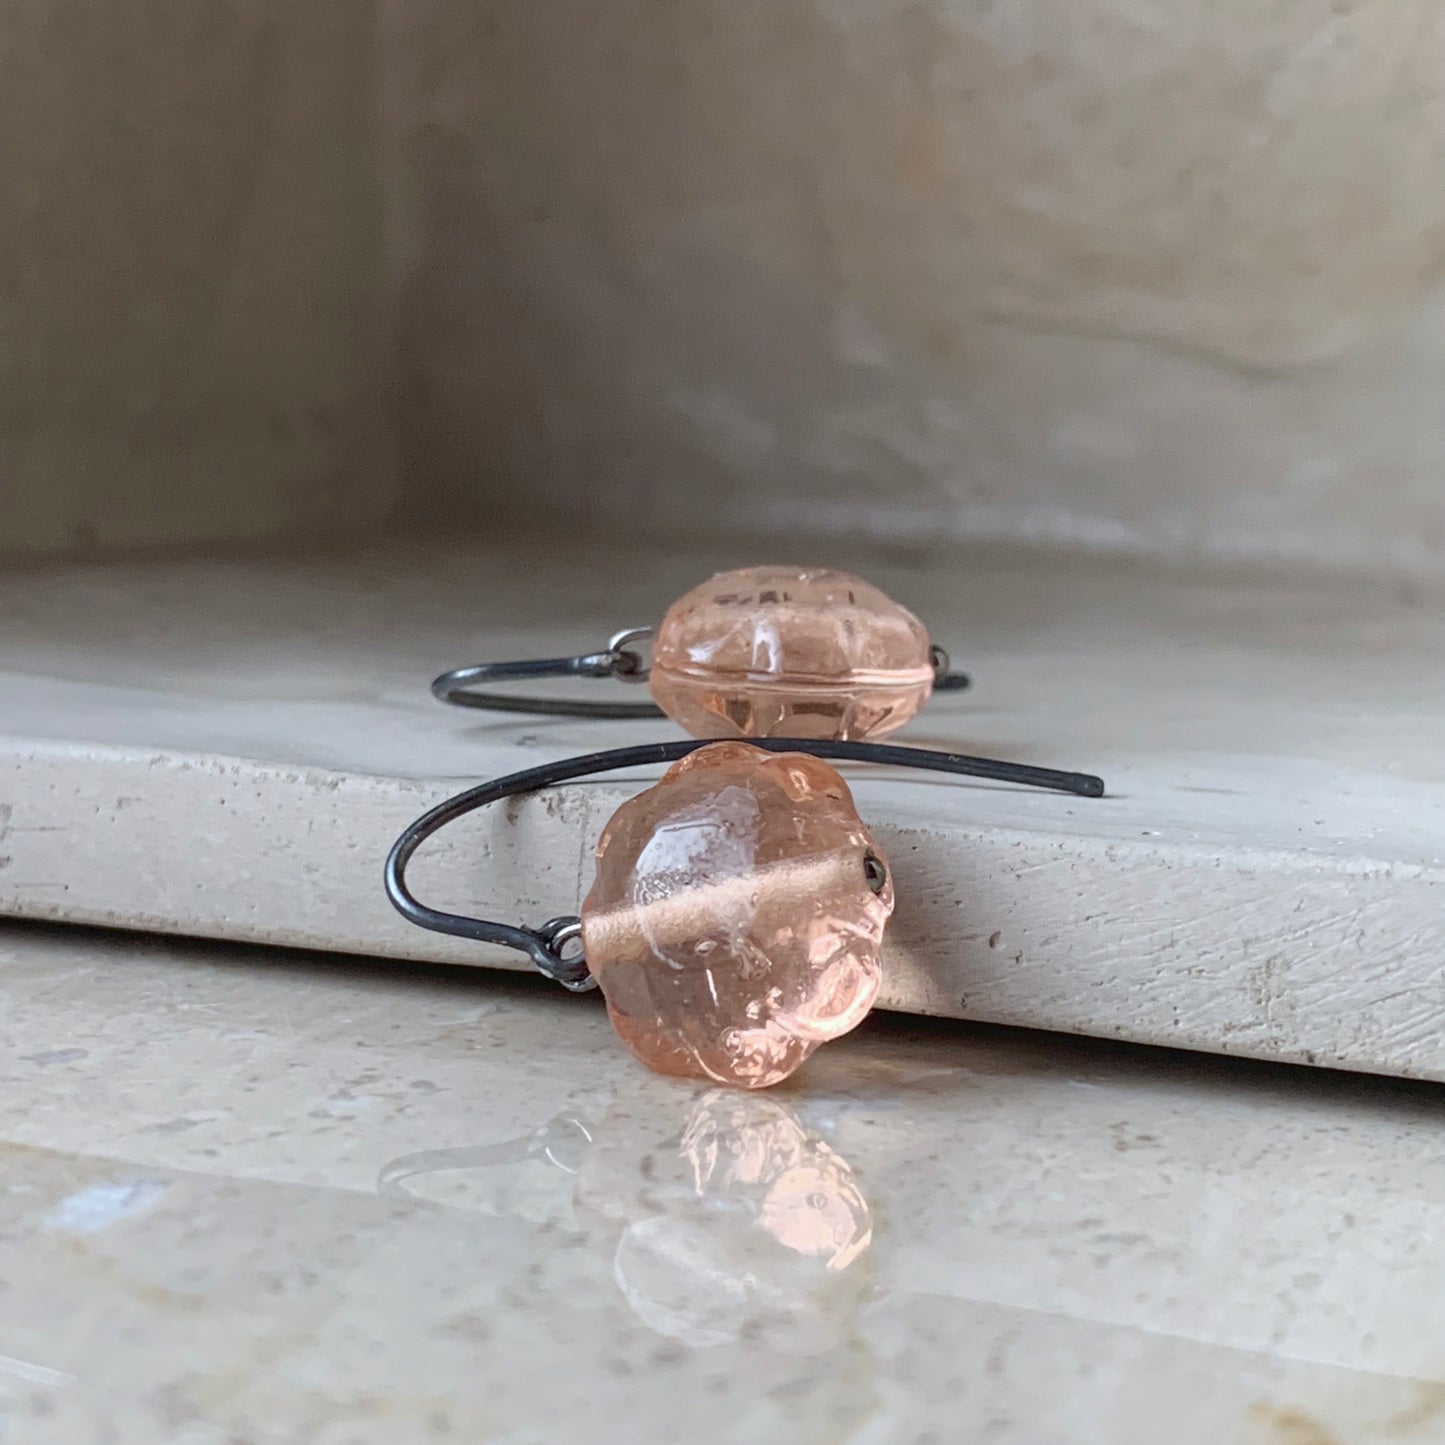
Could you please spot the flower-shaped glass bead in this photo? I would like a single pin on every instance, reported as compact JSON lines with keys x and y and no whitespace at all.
{"x":789,"y":652}
{"x":737,"y":917}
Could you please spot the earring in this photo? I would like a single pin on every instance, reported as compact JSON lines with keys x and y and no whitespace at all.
{"x":763,"y":652}
{"x":736,"y":921}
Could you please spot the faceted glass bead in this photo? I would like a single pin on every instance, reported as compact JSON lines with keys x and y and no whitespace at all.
{"x":790,"y":652}
{"x":737,"y":917}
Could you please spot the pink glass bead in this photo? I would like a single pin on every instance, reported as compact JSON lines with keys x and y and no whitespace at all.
{"x":790,"y":652}
{"x":737,"y":916}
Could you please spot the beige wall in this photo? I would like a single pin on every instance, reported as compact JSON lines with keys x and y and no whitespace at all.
{"x":192,"y":337}
{"x":1162,"y":275}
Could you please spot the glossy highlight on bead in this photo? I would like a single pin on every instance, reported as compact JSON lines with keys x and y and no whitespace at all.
{"x":764,"y":652}
{"x":737,"y":918}
{"x":790,"y":652}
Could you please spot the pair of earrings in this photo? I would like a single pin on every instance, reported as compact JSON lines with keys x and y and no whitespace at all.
{"x":737,"y":916}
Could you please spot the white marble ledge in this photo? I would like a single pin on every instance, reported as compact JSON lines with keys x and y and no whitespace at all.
{"x":227,"y":749}
{"x":256,"y":1197}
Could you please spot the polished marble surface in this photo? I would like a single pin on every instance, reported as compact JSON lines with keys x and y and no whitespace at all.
{"x":252,"y":1197}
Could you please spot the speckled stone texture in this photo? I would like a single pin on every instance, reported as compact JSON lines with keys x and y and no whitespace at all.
{"x":265,"y":1197}
{"x":737,"y":916}
{"x":790,"y":652}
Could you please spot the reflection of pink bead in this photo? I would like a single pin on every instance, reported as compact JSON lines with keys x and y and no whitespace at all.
{"x":790,"y":652}
{"x":737,"y":917}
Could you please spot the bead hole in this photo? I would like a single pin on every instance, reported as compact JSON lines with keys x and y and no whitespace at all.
{"x":875,"y":872}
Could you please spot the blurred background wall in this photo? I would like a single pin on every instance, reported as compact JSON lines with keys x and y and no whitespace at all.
{"x":1155,"y":276}
{"x":194,"y":344}
{"x":1162,"y":276}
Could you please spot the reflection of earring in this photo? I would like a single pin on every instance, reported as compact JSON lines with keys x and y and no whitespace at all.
{"x":513,"y":1178}
{"x":802,"y":1192}
{"x":560,"y":1142}
{"x":750,"y":1220}
{"x":764,"y":652}
{"x":750,"y":1216}
{"x":737,"y":916}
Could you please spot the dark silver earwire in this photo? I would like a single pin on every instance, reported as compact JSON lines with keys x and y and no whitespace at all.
{"x":550,"y":946}
{"x":617,"y":660}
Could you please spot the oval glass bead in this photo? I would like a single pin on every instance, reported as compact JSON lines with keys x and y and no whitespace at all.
{"x":737,"y":917}
{"x":790,"y":652}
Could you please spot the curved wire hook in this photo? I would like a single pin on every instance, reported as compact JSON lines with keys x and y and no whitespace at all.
{"x":618,"y":660}
{"x":547,"y":946}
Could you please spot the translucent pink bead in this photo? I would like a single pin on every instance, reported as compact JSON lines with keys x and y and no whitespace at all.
{"x":790,"y":652}
{"x":737,"y":917}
